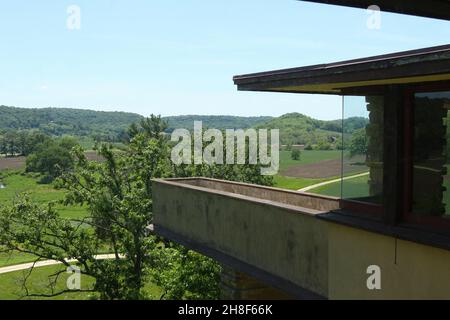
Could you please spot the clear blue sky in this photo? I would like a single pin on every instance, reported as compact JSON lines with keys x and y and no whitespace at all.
{"x":178,"y":57}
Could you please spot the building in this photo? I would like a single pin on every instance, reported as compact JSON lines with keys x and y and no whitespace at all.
{"x":283,"y":244}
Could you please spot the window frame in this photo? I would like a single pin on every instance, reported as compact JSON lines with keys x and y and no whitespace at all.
{"x":365,"y":210}
{"x":396,"y":140}
{"x":407,"y":216}
{"x":362,"y":209}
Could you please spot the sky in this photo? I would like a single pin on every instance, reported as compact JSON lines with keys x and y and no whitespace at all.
{"x":178,"y":57}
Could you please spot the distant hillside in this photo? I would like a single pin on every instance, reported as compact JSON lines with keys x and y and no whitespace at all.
{"x":216,"y":122}
{"x":60,"y":121}
{"x":296,"y":128}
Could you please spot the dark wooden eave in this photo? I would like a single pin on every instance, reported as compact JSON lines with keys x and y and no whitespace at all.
{"x":439,"y":9}
{"x":415,"y":66}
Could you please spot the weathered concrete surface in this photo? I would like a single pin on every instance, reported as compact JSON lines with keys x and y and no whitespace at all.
{"x":246,"y":227}
{"x":286,"y":197}
{"x":278,"y":232}
{"x":236,"y":285}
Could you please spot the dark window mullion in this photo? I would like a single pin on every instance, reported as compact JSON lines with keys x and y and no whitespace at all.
{"x":393,"y":154}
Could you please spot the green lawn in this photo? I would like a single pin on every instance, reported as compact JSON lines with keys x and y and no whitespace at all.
{"x":294,"y":183}
{"x":16,"y":182}
{"x":353,"y":188}
{"x":12,"y":258}
{"x":11,"y":289}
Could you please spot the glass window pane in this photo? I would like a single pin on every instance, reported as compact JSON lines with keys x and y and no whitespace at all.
{"x":431,"y":189}
{"x":362,"y":158}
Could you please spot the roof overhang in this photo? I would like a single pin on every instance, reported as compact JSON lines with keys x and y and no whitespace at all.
{"x":439,"y":9}
{"x":408,"y":67}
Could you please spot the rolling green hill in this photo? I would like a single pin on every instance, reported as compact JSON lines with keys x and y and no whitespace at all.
{"x":78,"y":122}
{"x":297,"y":128}
{"x":216,"y":122}
{"x":62,"y":121}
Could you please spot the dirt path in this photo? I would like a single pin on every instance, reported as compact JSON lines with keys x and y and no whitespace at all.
{"x":314,"y":186}
{"x":46,"y":263}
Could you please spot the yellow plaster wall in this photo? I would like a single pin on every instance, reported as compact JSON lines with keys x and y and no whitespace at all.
{"x":408,"y":270}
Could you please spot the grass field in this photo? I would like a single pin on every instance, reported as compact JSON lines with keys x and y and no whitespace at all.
{"x":11,"y":289}
{"x":353,"y":188}
{"x":12,"y":258}
{"x":307,"y":157}
{"x":294,"y":183}
{"x":17,"y":182}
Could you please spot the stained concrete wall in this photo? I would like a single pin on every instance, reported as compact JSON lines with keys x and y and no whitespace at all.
{"x":236,"y":285}
{"x":284,"y":240}
{"x":283,"y":196}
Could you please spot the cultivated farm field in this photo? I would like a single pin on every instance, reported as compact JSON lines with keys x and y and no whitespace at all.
{"x":317,"y":166}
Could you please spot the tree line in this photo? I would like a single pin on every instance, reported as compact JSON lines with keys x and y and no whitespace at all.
{"x":100,"y":125}
{"x":21,"y":143}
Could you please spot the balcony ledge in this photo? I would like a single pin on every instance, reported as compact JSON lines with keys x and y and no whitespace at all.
{"x":233,"y":223}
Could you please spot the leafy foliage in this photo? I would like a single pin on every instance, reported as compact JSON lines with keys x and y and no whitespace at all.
{"x":21,"y":143}
{"x":235,"y":172}
{"x":51,"y":158}
{"x":103,"y":126}
{"x":190,"y":275}
{"x":358,"y":143}
{"x":29,"y":228}
{"x":295,"y":154}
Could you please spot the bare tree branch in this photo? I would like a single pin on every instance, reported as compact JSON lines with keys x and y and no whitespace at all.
{"x":59,"y":293}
